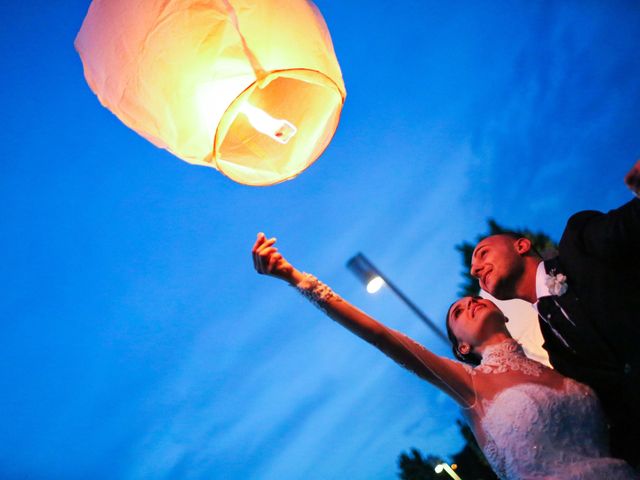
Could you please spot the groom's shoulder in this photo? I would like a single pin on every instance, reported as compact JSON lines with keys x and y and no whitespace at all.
{"x":576,"y":224}
{"x":579,"y":219}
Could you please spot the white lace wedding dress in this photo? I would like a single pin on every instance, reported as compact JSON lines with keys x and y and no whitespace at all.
{"x":534,"y":431}
{"x":531,"y":422}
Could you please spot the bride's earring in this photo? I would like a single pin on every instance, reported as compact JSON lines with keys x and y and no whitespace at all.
{"x":464,"y":348}
{"x":506,"y":319}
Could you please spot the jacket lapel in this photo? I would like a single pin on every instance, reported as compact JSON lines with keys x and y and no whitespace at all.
{"x":567,"y":320}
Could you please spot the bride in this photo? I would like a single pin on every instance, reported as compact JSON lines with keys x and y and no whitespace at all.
{"x":530,"y":421}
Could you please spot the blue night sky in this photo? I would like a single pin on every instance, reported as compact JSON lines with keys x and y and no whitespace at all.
{"x":137,"y":342}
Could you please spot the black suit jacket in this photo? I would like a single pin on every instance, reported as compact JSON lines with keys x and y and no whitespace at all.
{"x":592,"y":332}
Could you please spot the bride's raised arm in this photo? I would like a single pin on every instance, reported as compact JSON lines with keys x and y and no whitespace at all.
{"x":450,"y":376}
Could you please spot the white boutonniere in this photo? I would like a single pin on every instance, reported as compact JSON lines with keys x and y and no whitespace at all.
{"x":556,"y":283}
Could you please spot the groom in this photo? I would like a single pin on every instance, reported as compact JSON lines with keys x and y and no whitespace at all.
{"x":588,"y":303}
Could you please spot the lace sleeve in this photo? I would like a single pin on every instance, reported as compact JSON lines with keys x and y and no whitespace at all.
{"x":452,"y":377}
{"x":315,"y":291}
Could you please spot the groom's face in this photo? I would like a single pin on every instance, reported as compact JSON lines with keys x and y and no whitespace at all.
{"x":497,"y":265}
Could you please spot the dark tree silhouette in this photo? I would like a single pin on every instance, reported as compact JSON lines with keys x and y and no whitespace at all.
{"x":471,"y":463}
{"x":414,"y":466}
{"x":541,"y":242}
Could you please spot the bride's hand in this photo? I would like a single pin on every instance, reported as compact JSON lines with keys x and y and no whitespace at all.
{"x":632,"y":179}
{"x":268,"y":261}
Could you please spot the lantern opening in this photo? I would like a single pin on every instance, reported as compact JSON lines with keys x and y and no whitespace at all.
{"x":299,"y":109}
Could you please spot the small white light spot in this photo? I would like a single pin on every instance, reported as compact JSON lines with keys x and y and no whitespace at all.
{"x":375,"y":284}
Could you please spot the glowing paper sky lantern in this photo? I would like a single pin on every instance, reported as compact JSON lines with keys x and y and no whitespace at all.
{"x":250,"y":87}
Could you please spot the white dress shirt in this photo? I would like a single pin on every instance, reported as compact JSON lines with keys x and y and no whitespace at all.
{"x":541,"y":284}
{"x":523,"y":322}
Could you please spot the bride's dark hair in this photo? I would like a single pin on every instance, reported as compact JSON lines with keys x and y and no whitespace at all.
{"x":471,"y":358}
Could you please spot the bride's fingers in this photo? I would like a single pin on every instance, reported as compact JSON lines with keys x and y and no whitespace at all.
{"x":266,"y":254}
{"x":260,"y":239}
{"x":256,"y":263}
{"x":255,"y":249}
{"x":262,"y":262}
{"x":268,"y":264}
{"x":266,"y":244}
{"x":259,"y":242}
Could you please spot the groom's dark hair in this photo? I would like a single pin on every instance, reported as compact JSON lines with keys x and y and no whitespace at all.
{"x":514,"y":236}
{"x":471,"y":358}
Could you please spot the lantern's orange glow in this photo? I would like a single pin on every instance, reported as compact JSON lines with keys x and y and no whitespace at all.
{"x":250,"y":87}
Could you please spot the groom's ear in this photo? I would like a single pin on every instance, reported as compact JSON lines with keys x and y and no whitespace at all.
{"x":523,"y":246}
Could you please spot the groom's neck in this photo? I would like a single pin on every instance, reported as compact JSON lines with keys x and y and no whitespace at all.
{"x":526,"y":285}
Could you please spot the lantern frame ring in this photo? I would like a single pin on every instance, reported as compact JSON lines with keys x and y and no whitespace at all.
{"x":302,"y":75}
